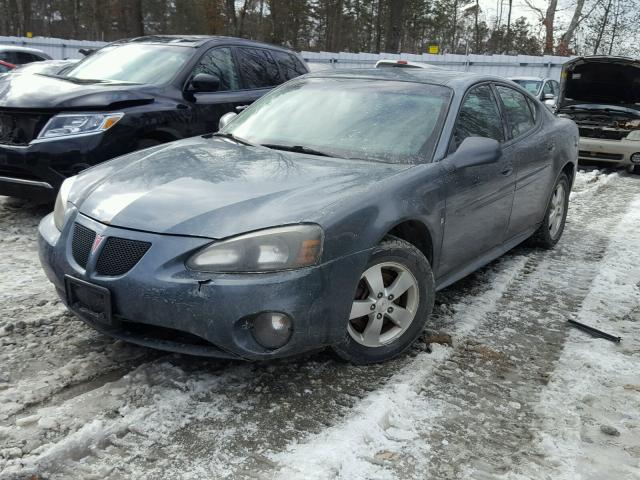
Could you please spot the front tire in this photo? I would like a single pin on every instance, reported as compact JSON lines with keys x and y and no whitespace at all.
{"x":392,"y":303}
{"x":549,"y":233}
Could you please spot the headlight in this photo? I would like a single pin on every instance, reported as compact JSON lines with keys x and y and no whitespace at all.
{"x":62,"y":203}
{"x":66,"y":124}
{"x":281,"y":248}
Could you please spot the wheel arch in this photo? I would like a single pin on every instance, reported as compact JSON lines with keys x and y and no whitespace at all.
{"x":416,"y":233}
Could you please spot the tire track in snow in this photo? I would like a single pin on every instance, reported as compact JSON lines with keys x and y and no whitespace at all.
{"x":190,"y":417}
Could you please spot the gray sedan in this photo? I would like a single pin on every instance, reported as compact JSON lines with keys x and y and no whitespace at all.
{"x":328,"y":213}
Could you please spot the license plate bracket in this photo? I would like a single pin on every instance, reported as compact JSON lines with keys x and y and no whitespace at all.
{"x":90,"y":299}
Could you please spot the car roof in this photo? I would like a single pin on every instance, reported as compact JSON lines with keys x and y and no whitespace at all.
{"x":538,"y":79}
{"x":195,"y":41}
{"x":436,"y":76}
{"x":16,"y":48}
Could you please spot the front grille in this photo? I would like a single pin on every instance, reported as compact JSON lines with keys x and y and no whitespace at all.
{"x":600,"y":155}
{"x":20,"y":128}
{"x":81,"y":244}
{"x":604,"y":133}
{"x":120,"y":255}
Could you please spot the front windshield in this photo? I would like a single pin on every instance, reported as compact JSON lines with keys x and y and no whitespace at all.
{"x":531,"y":86}
{"x":381,"y":120}
{"x":134,"y":63}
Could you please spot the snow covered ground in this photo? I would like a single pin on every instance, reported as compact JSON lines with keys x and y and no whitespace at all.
{"x":517,"y":395}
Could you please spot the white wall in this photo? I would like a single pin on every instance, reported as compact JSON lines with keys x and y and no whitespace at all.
{"x":503,"y":65}
{"x":57,"y":48}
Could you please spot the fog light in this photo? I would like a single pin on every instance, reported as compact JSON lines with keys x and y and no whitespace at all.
{"x":272,"y":329}
{"x":635,"y":158}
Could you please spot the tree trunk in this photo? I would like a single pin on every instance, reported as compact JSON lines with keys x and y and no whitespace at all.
{"x":379,"y":27}
{"x":508,"y":34}
{"x":616,"y":18}
{"x":394,"y":26}
{"x":565,"y":39}
{"x":603,"y":27}
{"x":548,"y":22}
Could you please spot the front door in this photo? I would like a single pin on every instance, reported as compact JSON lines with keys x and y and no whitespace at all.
{"x":206,"y":108}
{"x":478,"y":198}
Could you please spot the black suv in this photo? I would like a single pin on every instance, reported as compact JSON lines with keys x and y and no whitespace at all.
{"x":128,"y":95}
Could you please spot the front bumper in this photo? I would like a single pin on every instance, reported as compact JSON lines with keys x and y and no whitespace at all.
{"x":37,"y":170}
{"x":159,"y":299}
{"x":612,"y":152}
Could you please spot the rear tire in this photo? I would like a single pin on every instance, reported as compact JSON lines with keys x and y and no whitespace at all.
{"x":393,"y":301}
{"x":555,"y":216}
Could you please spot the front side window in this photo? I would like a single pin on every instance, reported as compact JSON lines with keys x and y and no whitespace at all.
{"x":517,"y":111}
{"x":291,"y":67}
{"x":479,"y":117}
{"x":133,"y":63}
{"x":219,"y":63}
{"x":548,"y":89}
{"x":258,"y":68}
{"x":378,"y":120}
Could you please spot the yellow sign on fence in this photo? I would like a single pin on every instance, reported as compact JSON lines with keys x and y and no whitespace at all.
{"x":434,"y":49}
{"x":29,"y":34}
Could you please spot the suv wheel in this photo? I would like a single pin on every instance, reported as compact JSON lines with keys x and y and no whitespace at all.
{"x":392,"y":303}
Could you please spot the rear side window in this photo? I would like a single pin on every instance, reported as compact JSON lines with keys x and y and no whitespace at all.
{"x":258,"y":68}
{"x":479,"y":117}
{"x":517,"y":111}
{"x":291,"y":67}
{"x":24,"y":57}
{"x":219,"y":62}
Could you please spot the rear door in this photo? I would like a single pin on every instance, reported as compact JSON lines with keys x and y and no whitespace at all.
{"x":479,"y":198}
{"x":531,"y":150}
{"x":259,"y":71}
{"x":206,"y":108}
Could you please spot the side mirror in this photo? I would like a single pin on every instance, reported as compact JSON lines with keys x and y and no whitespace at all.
{"x":225,"y":119}
{"x":203,"y":82}
{"x":549,"y":96}
{"x":475,"y":151}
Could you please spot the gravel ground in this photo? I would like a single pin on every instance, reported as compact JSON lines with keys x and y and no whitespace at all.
{"x":499,"y":387}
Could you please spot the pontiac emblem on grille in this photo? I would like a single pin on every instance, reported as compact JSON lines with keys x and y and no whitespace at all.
{"x":96,"y":243}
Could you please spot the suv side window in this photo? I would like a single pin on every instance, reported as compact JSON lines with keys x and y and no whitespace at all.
{"x":291,"y":67}
{"x":258,"y":68}
{"x":219,"y":62}
{"x":517,"y":111}
{"x":479,"y":117}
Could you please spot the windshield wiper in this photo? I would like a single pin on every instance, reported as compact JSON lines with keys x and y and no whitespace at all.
{"x":231,"y":136}
{"x":297,"y":149}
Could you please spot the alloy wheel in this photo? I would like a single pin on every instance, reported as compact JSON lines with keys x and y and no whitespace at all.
{"x":385,"y":304}
{"x":556,"y":212}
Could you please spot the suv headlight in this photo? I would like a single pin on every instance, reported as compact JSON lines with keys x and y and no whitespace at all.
{"x":273,"y":249}
{"x":68,"y":124}
{"x":62,"y":203}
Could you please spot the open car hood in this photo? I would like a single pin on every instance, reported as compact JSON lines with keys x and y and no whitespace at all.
{"x":600,"y":82}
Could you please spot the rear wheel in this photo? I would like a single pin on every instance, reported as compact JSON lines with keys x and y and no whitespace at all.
{"x":555,"y":216}
{"x":393,"y":300}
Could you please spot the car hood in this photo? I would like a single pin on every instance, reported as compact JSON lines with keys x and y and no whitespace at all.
{"x":212,"y":187}
{"x":42,"y":92}
{"x":601,"y":81}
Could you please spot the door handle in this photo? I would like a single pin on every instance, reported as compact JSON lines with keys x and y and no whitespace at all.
{"x":507,"y":169}
{"x":240,"y":108}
